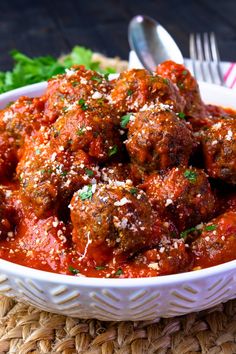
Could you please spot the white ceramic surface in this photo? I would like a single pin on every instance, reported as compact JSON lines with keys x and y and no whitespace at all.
{"x":121,"y":299}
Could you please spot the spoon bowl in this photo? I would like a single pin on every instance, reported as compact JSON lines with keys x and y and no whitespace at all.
{"x":152,"y":43}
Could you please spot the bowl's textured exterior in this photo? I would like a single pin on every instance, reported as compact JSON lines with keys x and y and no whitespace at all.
{"x":121,"y":299}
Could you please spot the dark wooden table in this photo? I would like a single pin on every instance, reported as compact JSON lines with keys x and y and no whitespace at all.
{"x":54,"y":26}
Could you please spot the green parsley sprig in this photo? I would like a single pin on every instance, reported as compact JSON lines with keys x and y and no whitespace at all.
{"x":86,"y":192}
{"x":27,"y":71}
{"x":112,"y":150}
{"x":73,"y":270}
{"x":211,"y":227}
{"x":184,"y":234}
{"x":125,"y":120}
{"x":191,"y":175}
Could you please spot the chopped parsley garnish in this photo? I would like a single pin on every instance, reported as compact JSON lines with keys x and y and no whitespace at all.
{"x":75,"y":83}
{"x":180,"y":85}
{"x":129,"y":92}
{"x":73,"y":270}
{"x":184,"y":72}
{"x":181,"y":115}
{"x":211,"y":227}
{"x":37,"y":151}
{"x":64,"y":173}
{"x":191,"y":175}
{"x":133,"y":191}
{"x":82,"y":104}
{"x":89,"y":172}
{"x":65,"y":109}
{"x":86,"y":193}
{"x":112,"y":151}
{"x":99,"y":267}
{"x":81,"y":131}
{"x":96,"y":78}
{"x":119,"y":272}
{"x":125,"y":120}
{"x":165,"y":81}
{"x":185,"y":233}
{"x":50,"y":170}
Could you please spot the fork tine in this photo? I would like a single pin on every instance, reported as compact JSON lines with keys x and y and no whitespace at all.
{"x":207,"y":47}
{"x":194,"y":55}
{"x":216,"y":57}
{"x":199,"y":47}
{"x":200,"y":43}
{"x":214,"y":47}
{"x":192,"y":50}
{"x":208,"y":58}
{"x":192,"y":47}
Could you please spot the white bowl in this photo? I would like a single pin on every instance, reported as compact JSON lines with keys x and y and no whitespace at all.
{"x":121,"y":299}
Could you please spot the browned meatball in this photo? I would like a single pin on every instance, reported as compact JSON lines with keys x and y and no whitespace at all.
{"x":212,"y":115}
{"x":219,"y":149}
{"x":217,"y":242}
{"x":75,"y":86}
{"x":183,"y":195}
{"x":170,"y":257}
{"x":113,"y":220}
{"x":17,"y":121}
{"x":136,"y":88}
{"x":188,"y":87}
{"x":49,"y":176}
{"x":22,"y":118}
{"x":89,"y":128}
{"x":158,"y":140}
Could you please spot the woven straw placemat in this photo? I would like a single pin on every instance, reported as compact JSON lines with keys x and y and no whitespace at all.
{"x":25,"y":329}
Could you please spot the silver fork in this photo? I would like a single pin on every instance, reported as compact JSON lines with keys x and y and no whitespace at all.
{"x":205,"y":58}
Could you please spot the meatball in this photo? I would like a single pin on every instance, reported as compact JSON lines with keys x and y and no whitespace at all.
{"x":49,"y":175}
{"x":213,"y":115}
{"x":17,"y":121}
{"x":88,"y":128}
{"x":188,"y":87}
{"x":113,"y":221}
{"x":23,"y":117}
{"x":182,"y":195}
{"x":217,"y":242}
{"x":136,"y":88}
{"x":158,"y":140}
{"x":170,"y":257}
{"x":219,"y":150}
{"x":74,"y":88}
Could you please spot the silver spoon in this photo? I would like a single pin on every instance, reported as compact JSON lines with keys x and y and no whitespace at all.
{"x":152,"y":43}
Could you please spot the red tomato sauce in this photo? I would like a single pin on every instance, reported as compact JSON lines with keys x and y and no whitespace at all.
{"x":123,"y":178}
